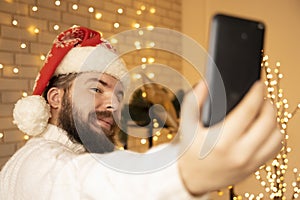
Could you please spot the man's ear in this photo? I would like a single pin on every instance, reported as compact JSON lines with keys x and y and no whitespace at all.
{"x":54,"y":97}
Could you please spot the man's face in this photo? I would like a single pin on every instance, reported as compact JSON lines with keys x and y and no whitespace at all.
{"x":95,"y":109}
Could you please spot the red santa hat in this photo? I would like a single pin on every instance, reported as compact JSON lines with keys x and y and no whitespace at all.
{"x":78,"y":49}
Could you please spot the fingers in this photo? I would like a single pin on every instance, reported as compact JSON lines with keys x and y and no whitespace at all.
{"x":245,"y":112}
{"x":260,"y":132}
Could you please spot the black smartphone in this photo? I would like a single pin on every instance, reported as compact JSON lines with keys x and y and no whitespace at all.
{"x":234,"y":64}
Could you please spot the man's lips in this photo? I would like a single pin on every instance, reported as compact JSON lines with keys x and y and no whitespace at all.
{"x":106,"y":122}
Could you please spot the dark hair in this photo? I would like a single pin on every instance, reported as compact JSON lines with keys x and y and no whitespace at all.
{"x":63,"y":81}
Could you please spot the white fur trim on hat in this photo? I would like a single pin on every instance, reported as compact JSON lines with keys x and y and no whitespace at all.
{"x":86,"y":59}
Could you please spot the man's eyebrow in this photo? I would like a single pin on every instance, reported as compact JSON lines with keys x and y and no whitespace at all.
{"x":97,"y":80}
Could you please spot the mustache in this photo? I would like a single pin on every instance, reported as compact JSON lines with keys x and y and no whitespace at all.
{"x":103,"y":114}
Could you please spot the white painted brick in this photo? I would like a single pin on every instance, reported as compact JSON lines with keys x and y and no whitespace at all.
{"x":101,"y":25}
{"x":27,"y":59}
{"x":17,"y":33}
{"x":74,"y":19}
{"x":6,"y":58}
{"x":39,"y":48}
{"x":13,"y":136}
{"x":13,"y":84}
{"x":11,"y":45}
{"x":50,"y":4}
{"x":7,"y":149}
{"x":6,"y":110}
{"x":45,"y":13}
{"x":14,"y":7}
{"x":3,"y":160}
{"x":24,"y":72}
{"x":5,"y":18}
{"x":26,"y":21}
{"x":6,"y":123}
{"x":10,"y":97}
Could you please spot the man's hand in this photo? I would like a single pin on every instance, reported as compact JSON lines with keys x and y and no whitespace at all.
{"x":248,"y":138}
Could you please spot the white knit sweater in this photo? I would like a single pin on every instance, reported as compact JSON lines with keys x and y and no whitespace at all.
{"x":53,"y":167}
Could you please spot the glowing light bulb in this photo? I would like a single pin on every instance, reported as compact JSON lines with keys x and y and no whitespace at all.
{"x":14,"y":22}
{"x":144,"y":94}
{"x":23,"y":45}
{"x":114,"y":41}
{"x":75,"y":7}
{"x":144,"y":60}
{"x":143,"y":7}
{"x":36,"y":30}
{"x":98,"y":15}
{"x":56,"y":27}
{"x":57,"y":3}
{"x":143,"y":141}
{"x":26,"y":137}
{"x":91,"y":9}
{"x":34,"y":8}
{"x":1,"y":135}
{"x":150,"y":28}
{"x":137,"y":44}
{"x":24,"y":94}
{"x":152,"y":10}
{"x":151,"y":60}
{"x":151,"y":75}
{"x":1,"y":66}
{"x":138,"y":12}
{"x":155,"y":138}
{"x":120,"y":11}
{"x":43,"y":57}
{"x":136,"y":25}
{"x":15,"y":70}
{"x":116,"y":25}
{"x":141,"y":32}
{"x":137,"y":76}
{"x":169,"y":136}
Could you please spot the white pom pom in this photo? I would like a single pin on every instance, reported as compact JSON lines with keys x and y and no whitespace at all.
{"x":31,"y":115}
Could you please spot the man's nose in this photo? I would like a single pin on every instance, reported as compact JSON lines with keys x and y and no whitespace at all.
{"x":112,"y":104}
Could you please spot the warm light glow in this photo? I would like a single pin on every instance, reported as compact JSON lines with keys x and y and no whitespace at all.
{"x":158,"y":133}
{"x":43,"y":57}
{"x":151,"y":44}
{"x":1,"y":66}
{"x":136,"y":25}
{"x":116,"y":25}
{"x":150,"y":28}
{"x":36,"y":30}
{"x":144,"y":60}
{"x":1,"y":135}
{"x":14,"y":22}
{"x":98,"y":15}
{"x":15,"y":70}
{"x":143,"y":7}
{"x":56,"y":27}
{"x":120,"y":11}
{"x":169,"y":136}
{"x":152,"y":10}
{"x":143,"y":141}
{"x":23,"y":45}
{"x":57,"y":3}
{"x":151,"y":60}
{"x":26,"y":137}
{"x":137,"y":76}
{"x":151,"y":75}
{"x":75,"y":7}
{"x":144,"y":94}
{"x":155,"y":124}
{"x":34,"y":8}
{"x":155,"y":138}
{"x":91,"y":9}
{"x":141,"y":32}
{"x":137,"y":44}
{"x":113,"y":40}
{"x":138,"y":12}
{"x":24,"y":94}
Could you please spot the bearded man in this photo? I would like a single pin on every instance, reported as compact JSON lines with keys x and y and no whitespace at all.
{"x":72,"y":117}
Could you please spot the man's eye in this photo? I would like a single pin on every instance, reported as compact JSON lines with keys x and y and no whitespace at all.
{"x":97,"y":90}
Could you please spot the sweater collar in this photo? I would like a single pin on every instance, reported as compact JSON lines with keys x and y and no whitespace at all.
{"x":57,"y":134}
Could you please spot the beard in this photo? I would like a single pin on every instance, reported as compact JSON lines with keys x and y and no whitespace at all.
{"x":94,"y":138}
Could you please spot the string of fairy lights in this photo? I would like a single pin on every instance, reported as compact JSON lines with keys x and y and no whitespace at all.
{"x":272,"y":177}
{"x":98,"y":15}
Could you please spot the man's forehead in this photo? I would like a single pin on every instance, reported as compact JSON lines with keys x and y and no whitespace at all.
{"x":99,"y":77}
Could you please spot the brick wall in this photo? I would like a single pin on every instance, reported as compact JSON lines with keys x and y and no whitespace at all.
{"x":35,"y":30}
